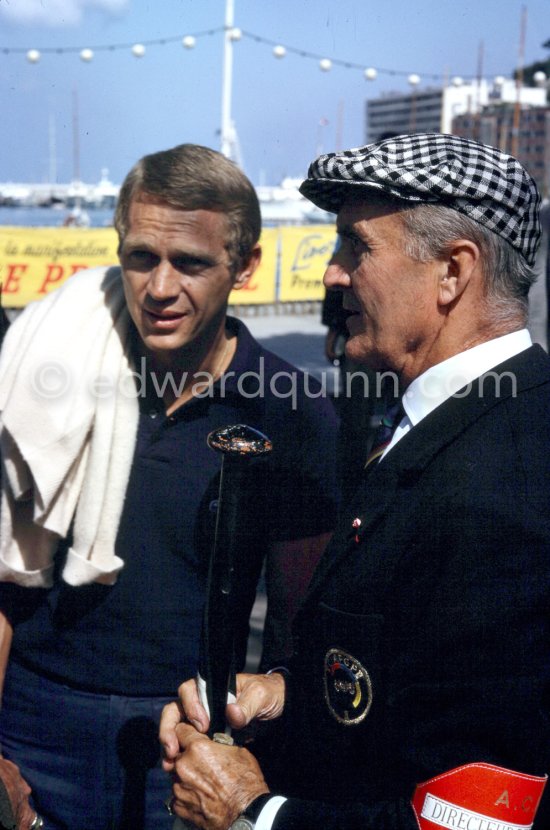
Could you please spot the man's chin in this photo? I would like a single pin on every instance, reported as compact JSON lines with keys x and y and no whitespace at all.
{"x":164,"y":344}
{"x":361,"y":354}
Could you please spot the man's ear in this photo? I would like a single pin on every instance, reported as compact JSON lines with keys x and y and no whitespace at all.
{"x":244,"y":276}
{"x":458,"y":268}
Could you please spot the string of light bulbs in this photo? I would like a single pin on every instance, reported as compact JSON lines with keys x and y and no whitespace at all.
{"x":189,"y":41}
{"x":87,"y":53}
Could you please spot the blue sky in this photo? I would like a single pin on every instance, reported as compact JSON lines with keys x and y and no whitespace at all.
{"x":130,"y":106}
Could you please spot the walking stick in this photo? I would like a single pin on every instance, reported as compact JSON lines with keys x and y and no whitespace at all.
{"x":216,"y":677}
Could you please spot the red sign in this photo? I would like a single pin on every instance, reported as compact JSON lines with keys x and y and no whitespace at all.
{"x":478,"y":797}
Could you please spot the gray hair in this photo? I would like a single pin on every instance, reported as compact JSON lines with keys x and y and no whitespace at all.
{"x":192,"y":177}
{"x":431,"y":228}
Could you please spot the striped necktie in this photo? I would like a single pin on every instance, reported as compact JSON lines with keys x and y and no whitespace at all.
{"x":384,"y":433}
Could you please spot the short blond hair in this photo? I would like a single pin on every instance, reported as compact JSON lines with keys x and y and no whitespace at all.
{"x":193,"y":177}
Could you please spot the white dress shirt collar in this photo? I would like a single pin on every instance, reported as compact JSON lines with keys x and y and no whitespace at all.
{"x":435,"y":385}
{"x":438,"y":383}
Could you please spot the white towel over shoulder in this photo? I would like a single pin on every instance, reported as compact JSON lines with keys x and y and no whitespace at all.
{"x":68,"y":423}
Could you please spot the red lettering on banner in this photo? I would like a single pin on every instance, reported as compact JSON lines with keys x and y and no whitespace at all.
{"x":56,"y":274}
{"x":14,"y":273}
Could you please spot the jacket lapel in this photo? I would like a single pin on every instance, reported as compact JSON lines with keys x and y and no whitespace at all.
{"x":412,"y":454}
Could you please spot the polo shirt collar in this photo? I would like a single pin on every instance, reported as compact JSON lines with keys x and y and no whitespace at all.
{"x":247,"y":353}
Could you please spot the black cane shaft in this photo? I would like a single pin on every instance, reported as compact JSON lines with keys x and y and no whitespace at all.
{"x":219,"y":670}
{"x":237,"y":444}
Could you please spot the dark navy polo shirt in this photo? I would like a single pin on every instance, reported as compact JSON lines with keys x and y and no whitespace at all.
{"x":140,"y":636}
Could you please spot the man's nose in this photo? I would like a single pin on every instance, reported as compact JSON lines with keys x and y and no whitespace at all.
{"x":336,"y":276}
{"x":164,"y":282}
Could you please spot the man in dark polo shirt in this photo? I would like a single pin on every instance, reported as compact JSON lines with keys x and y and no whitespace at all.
{"x":103,"y":587}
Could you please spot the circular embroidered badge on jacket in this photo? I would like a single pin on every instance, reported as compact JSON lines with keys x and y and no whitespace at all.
{"x":348,"y":688}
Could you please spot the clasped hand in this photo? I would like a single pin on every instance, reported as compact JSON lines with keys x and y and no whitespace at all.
{"x":213,"y":783}
{"x":18,"y":792}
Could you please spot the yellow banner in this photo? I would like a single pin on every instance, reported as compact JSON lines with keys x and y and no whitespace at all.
{"x":261,"y":288}
{"x":36,"y":261}
{"x":305,"y":254}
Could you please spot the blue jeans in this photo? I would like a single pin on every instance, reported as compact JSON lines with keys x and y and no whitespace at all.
{"x":93,"y":761}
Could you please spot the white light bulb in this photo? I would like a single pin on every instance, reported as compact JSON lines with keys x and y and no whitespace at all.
{"x":86,"y":55}
{"x":414,"y":79}
{"x":279,"y":51}
{"x":235,"y":34}
{"x":325,"y":65}
{"x":370,"y":74}
{"x":33,"y":56}
{"x":188,"y":42}
{"x":138,"y":50}
{"x":540,"y":78}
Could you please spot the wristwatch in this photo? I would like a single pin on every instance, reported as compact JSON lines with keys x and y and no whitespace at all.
{"x":247,"y":820}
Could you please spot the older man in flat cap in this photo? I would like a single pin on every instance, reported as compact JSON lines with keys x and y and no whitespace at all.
{"x":419,"y":692}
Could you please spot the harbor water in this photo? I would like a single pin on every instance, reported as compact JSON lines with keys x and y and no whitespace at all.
{"x":49,"y":217}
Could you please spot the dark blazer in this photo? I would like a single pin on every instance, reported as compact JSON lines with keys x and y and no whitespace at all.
{"x":424,"y":643}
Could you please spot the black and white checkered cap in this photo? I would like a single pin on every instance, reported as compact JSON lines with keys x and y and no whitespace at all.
{"x":490,"y":187}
